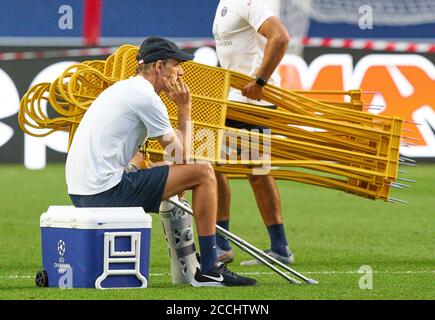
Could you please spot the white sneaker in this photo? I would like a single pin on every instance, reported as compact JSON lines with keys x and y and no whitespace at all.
{"x":283,"y":259}
{"x":224,"y":256}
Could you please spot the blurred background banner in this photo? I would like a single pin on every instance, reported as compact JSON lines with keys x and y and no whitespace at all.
{"x":102,"y":22}
{"x":387,"y":48}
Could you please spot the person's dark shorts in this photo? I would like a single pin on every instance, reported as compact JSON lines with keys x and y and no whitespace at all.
{"x":143,"y":188}
{"x":247,"y":126}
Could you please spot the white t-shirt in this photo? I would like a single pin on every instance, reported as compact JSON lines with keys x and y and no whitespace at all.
{"x":239,"y":45}
{"x":120,"y":119}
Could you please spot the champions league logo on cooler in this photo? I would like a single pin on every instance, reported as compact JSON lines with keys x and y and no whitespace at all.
{"x":64,"y":269}
{"x":61,"y":247}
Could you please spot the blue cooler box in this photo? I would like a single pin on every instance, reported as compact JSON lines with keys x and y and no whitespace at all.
{"x":95,"y":247}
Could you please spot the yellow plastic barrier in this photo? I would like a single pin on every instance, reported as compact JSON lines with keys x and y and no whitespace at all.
{"x":324,"y":142}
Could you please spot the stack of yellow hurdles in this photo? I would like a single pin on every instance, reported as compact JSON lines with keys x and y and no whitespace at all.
{"x":315,"y":141}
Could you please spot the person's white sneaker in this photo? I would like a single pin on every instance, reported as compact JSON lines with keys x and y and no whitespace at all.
{"x":224,"y":256}
{"x":283,"y":259}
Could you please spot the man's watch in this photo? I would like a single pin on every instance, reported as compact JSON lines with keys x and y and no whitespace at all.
{"x":260,"y":81}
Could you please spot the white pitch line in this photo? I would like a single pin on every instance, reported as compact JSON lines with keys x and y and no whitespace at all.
{"x":263,"y":273}
{"x":318,"y":272}
{"x":342,"y":272}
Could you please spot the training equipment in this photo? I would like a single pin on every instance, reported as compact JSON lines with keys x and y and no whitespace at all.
{"x":334,"y":142}
{"x":94,"y":247}
{"x":264,"y":258}
{"x":178,"y":230}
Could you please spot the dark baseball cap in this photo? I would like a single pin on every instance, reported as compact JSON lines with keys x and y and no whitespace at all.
{"x":156,"y":48}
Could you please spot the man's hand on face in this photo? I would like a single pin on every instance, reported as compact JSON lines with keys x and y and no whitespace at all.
{"x":253,"y":91}
{"x":178,"y":91}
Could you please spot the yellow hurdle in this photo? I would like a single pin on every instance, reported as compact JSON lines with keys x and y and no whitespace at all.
{"x":329,"y":142}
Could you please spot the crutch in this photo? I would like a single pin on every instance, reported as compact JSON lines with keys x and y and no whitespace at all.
{"x":252,"y":250}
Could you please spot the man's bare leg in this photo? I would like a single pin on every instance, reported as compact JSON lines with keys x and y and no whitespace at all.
{"x":223,"y":196}
{"x":201,"y":180}
{"x":266,"y":194}
{"x":223,"y":217}
{"x":268,"y":199}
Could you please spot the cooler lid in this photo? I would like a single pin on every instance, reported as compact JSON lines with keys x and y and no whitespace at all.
{"x":95,"y":218}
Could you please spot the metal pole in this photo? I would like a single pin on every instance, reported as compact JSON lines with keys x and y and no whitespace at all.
{"x":253,"y":254}
{"x":252,"y":249}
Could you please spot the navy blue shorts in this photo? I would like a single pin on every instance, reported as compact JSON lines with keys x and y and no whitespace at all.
{"x":248,"y":126}
{"x":143,"y":188}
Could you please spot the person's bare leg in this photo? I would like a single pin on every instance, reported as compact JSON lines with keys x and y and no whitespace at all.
{"x":269,"y":203}
{"x":224,"y":251}
{"x":268,"y":199}
{"x":201,"y":180}
{"x":224,"y":197}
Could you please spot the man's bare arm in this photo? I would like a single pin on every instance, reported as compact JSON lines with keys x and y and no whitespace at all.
{"x":180,"y":94}
{"x":276,"y":46}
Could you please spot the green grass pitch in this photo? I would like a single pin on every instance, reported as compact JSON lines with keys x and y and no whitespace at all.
{"x":331,"y":233}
